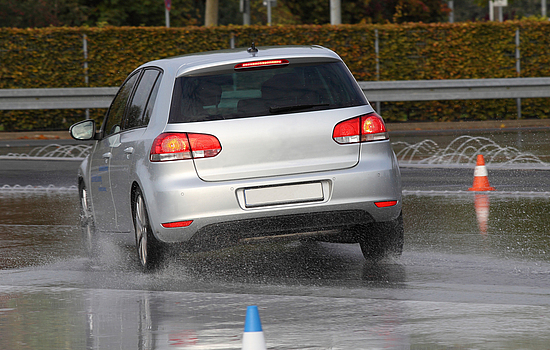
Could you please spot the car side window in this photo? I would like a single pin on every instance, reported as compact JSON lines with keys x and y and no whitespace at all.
{"x":142,"y":100}
{"x":152,"y":99}
{"x":113,"y":124}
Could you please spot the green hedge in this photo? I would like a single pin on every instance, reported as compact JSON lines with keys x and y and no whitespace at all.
{"x":53,"y":57}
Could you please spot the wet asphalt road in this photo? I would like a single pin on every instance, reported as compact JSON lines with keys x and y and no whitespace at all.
{"x":471,"y":276}
{"x":62,"y":173}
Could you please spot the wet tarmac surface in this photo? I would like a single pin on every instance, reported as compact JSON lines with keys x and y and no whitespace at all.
{"x":475,"y":274}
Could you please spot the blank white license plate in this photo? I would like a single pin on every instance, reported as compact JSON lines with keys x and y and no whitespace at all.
{"x":275,"y":195}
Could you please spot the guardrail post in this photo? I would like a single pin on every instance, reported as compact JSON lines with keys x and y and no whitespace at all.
{"x":86,"y":79}
{"x":518,"y":70}
{"x":377,"y":59}
{"x":377,"y":53}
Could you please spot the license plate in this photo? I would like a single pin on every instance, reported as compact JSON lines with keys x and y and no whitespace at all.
{"x":287,"y":194}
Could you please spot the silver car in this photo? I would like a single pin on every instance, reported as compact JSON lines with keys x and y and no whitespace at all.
{"x":235,"y":146}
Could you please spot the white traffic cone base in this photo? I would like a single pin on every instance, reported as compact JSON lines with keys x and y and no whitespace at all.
{"x":253,"y":341}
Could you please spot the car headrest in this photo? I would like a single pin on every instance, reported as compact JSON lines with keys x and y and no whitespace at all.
{"x":209,"y":93}
{"x":280,"y":87}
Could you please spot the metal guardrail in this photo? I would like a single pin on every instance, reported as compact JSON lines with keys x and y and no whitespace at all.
{"x":63,"y":98}
{"x":459,"y":89}
{"x":376,"y":91}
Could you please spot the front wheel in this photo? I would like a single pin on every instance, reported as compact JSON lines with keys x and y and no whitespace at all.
{"x":149,"y":249}
{"x":382,"y":239}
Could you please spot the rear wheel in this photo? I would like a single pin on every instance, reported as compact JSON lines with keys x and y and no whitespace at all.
{"x":382,"y":239}
{"x":149,"y":249}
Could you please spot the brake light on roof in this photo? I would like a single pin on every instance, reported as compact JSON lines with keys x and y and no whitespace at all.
{"x":180,"y":146}
{"x":261,"y":64}
{"x":369,"y":127}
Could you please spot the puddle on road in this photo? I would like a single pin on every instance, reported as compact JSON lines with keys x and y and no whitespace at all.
{"x":38,"y":227}
{"x":43,"y":227}
{"x":310,"y":296}
{"x":508,"y":227}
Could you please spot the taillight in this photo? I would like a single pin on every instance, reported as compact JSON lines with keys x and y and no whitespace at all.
{"x":385,"y":204}
{"x":373,"y":128}
{"x":177,"y":224}
{"x":262,"y":64}
{"x":204,"y":146}
{"x":369,"y":127}
{"x":180,"y":146}
{"x":347,"y":131}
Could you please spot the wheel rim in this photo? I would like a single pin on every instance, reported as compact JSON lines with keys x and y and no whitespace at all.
{"x":141,"y":230}
{"x":84,"y":200}
{"x":86,"y":219}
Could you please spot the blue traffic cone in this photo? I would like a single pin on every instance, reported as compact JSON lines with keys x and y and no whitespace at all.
{"x":253,"y":336}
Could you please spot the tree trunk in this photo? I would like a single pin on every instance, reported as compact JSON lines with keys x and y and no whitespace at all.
{"x":211,"y":15}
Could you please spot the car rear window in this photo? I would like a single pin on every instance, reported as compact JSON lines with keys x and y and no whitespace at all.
{"x":260,"y":92}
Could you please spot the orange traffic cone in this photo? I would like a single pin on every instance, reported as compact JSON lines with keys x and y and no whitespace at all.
{"x":481,"y":179}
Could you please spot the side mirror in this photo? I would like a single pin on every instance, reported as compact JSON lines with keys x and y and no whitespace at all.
{"x":83,"y":131}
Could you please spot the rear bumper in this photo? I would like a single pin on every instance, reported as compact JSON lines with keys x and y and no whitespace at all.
{"x":218,"y":214}
{"x":334,"y":226}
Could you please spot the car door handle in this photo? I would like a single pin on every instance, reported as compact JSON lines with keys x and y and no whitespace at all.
{"x":129,"y":150}
{"x":107,"y":155}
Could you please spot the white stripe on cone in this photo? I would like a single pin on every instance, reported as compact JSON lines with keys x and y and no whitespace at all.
{"x":480,"y":170}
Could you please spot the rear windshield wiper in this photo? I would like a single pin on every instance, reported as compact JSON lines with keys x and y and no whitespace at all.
{"x":282,"y":109}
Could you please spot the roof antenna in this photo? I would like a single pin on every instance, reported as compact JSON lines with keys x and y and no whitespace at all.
{"x":253,"y":50}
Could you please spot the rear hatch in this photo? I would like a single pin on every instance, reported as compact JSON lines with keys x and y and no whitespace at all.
{"x":278,"y":145}
{"x":273,"y":121}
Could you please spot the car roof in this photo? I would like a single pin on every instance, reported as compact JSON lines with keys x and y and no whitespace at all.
{"x":180,"y":65}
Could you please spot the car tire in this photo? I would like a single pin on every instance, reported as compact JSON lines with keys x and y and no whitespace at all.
{"x":382,"y":239}
{"x":149,"y":249}
{"x":87,"y":222}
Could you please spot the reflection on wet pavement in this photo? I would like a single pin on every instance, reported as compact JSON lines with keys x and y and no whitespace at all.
{"x":41,"y":228}
{"x":37,"y":228}
{"x":516,"y":227}
{"x":482,"y":206}
{"x":474,"y":274}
